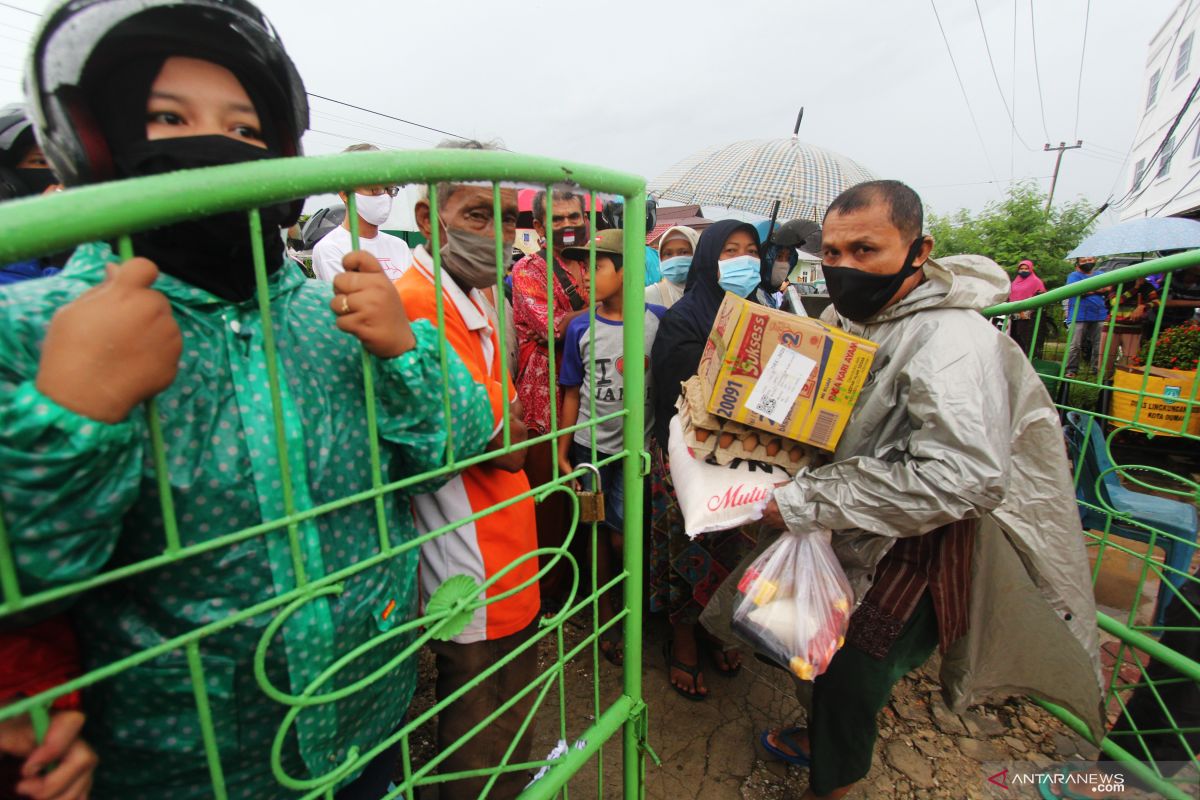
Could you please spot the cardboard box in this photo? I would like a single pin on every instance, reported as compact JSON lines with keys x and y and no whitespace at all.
{"x":775,"y":371}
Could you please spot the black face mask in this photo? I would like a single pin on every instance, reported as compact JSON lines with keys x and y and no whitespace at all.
{"x":859,"y":295}
{"x":1086,"y":268}
{"x":213,"y":253}
{"x":36,"y":180}
{"x":571,"y":236}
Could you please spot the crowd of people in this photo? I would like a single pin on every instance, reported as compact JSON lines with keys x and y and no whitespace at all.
{"x":1127,"y":313}
{"x":948,"y":514}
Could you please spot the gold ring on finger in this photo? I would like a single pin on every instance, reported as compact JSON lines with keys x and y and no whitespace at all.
{"x":345,"y":304}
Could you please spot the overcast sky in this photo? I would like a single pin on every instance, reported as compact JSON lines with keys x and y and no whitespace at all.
{"x":638,"y":85}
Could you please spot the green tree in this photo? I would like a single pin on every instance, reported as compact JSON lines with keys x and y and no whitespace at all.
{"x":1015,"y":228}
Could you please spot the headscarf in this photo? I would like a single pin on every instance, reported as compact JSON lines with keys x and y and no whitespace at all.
{"x":668,"y":292}
{"x":212,"y":253}
{"x":1025,"y":288}
{"x":679,"y":232}
{"x":684,"y":329}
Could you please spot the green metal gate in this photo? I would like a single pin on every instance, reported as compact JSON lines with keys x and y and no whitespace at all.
{"x":110,"y":212}
{"x":1119,"y":528}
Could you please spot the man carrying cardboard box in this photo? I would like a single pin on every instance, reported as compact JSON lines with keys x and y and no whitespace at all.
{"x":949,"y":496}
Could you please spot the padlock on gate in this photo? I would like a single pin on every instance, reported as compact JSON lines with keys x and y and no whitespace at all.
{"x":591,"y":503}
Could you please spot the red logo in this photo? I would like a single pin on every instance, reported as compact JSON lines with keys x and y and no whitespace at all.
{"x":736,"y":496}
{"x":748,"y":358}
{"x":999,"y":779}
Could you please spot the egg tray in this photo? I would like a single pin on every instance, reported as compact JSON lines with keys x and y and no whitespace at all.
{"x":725,"y":440}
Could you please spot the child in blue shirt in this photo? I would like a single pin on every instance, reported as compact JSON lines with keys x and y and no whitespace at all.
{"x":594,"y":387}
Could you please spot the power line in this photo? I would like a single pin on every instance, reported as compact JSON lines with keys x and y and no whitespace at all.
{"x":991,"y":63}
{"x":1082,"y":52}
{"x":18,"y":8}
{"x":1126,"y":200}
{"x":366,"y":125}
{"x":310,"y":94}
{"x":17,"y":28}
{"x":1037,"y":73}
{"x":1114,"y":150}
{"x":344,"y":136}
{"x":980,"y":183}
{"x":963,"y":89}
{"x":1100,"y":155}
{"x":1172,"y":200}
{"x":386,"y":116}
{"x":1012,"y":141}
{"x":1142,"y":120}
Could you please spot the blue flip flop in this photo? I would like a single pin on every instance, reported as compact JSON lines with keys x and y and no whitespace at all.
{"x":797,"y":757}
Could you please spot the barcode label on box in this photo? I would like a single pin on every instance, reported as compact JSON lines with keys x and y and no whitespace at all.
{"x":823,"y":428}
{"x":780,"y":384}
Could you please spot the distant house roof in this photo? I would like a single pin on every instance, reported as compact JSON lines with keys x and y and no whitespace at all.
{"x":669,"y":217}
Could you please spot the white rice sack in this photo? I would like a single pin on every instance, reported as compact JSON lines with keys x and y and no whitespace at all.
{"x":714,"y":497}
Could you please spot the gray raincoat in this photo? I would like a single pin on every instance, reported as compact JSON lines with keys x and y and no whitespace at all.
{"x":954,"y":424}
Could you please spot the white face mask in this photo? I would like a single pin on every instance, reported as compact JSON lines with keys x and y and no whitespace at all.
{"x":374,"y":210}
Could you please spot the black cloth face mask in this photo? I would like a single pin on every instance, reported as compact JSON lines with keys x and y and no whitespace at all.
{"x":571,"y":236}
{"x":860,"y":295}
{"x":213,"y":253}
{"x":36,"y":180}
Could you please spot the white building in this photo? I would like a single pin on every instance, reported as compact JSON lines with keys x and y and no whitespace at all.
{"x":1163,"y":179}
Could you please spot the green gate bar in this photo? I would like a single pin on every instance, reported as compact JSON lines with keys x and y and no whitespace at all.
{"x":112,"y":211}
{"x":1133,"y":638}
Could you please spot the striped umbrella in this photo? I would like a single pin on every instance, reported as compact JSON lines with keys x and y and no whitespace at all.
{"x":751,"y":175}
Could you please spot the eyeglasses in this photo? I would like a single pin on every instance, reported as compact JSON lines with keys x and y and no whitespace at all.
{"x":375,"y":191}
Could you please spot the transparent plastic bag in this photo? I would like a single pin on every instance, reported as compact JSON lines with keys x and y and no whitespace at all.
{"x":794,"y":602}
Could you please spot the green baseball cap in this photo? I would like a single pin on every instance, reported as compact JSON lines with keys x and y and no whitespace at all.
{"x":608,"y":241}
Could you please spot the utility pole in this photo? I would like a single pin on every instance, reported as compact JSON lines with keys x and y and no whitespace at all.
{"x":1062,"y":147}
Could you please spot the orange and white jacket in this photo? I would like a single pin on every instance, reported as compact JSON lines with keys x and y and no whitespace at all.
{"x":489,"y":544}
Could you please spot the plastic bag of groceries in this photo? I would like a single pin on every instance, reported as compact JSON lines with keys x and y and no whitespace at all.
{"x":794,"y":603}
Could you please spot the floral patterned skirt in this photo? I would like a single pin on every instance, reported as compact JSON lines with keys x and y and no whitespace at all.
{"x":685,"y":573}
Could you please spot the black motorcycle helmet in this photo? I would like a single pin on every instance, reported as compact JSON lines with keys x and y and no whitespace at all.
{"x":80,"y":38}
{"x":16,"y":137}
{"x":613,"y":214}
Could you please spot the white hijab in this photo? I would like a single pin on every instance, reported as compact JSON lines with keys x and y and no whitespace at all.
{"x":665,"y":293}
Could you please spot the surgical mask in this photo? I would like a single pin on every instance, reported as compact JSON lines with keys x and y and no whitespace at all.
{"x":860,"y":295}
{"x":374,"y":210}
{"x":675,"y":269}
{"x":740,"y":275}
{"x":1022,"y":273}
{"x":471,"y":258}
{"x":571,"y":236}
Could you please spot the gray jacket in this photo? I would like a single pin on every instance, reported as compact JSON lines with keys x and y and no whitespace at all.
{"x":954,"y":424}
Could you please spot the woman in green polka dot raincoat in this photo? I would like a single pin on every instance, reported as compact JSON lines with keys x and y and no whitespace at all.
{"x":77,"y":479}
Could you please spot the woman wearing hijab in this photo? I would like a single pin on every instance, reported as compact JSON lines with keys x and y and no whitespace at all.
{"x":1024,"y":286}
{"x":687,"y":572}
{"x":675,"y":250}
